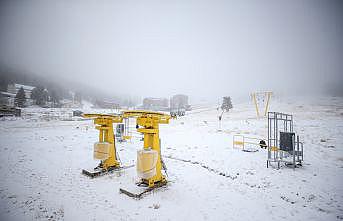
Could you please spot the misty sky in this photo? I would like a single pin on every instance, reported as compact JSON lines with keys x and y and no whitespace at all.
{"x":204,"y":49}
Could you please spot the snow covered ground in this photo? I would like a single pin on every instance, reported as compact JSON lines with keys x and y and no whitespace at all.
{"x":41,"y":159}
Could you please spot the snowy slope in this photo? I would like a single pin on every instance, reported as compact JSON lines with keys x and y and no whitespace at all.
{"x":41,"y":161}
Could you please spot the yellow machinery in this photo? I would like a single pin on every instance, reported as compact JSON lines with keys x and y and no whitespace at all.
{"x":149,"y":126}
{"x":149,"y":161}
{"x":105,"y":149}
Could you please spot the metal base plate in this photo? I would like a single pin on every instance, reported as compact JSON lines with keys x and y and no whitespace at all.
{"x":139,"y":195}
{"x":250,"y":150}
{"x":96,"y":172}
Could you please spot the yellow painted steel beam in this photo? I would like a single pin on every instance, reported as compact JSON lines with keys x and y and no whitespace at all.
{"x":269,"y":94}
{"x":104,"y":123}
{"x":149,"y":121}
{"x":255,"y":102}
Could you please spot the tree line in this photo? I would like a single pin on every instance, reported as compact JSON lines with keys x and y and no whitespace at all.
{"x":53,"y":91}
{"x":41,"y":96}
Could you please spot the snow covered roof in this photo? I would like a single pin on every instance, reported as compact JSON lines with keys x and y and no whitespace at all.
{"x":25,"y":87}
{"x":7,"y":94}
{"x":110,"y":101}
{"x":66,"y":101}
{"x":155,"y":98}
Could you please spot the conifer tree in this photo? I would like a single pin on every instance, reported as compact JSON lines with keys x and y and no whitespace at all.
{"x":20,"y":98}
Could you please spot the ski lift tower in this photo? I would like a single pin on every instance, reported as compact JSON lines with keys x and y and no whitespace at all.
{"x":261,"y":101}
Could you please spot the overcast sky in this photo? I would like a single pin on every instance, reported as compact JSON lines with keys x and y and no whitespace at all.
{"x":205,"y":49}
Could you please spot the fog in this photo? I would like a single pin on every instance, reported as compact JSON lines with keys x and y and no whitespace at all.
{"x":205,"y":49}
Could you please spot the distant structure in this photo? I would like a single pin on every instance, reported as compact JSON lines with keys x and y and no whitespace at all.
{"x":106,"y":104}
{"x":67,"y":103}
{"x":151,"y":103}
{"x":179,"y":101}
{"x":14,"y":88}
{"x":7,"y":98}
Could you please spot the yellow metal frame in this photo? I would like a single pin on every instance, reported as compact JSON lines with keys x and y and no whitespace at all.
{"x":244,"y":140}
{"x":273,"y":149}
{"x":127,"y":137}
{"x":104,"y":124}
{"x":149,"y":121}
{"x":268,"y":95}
{"x":238,"y":143}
